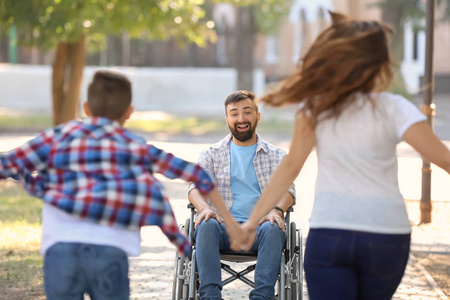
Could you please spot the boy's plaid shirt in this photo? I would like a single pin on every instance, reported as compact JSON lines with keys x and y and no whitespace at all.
{"x":99,"y":171}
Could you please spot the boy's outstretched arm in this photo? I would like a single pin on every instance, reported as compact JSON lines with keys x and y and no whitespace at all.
{"x":303,"y":141}
{"x":30,"y":157}
{"x":233,"y":229}
{"x":174,"y":167}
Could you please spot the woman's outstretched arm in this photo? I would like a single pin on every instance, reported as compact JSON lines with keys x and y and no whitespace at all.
{"x":423,"y":140}
{"x":303,"y":141}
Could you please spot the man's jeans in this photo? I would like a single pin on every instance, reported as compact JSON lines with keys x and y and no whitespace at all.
{"x":72,"y":269}
{"x":210,"y":237}
{"x":345,"y":264}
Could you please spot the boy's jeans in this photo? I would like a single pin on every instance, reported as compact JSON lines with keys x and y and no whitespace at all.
{"x":72,"y":269}
{"x":210,"y":236}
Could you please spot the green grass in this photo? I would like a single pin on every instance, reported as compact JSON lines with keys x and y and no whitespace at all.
{"x":192,"y":125}
{"x":177,"y":125}
{"x":20,"y":236}
{"x":32,"y":122}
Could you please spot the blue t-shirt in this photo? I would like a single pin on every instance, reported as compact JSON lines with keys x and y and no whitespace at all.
{"x":244,"y":183}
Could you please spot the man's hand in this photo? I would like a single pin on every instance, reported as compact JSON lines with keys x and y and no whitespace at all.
{"x":274,"y":216}
{"x":206,"y":214}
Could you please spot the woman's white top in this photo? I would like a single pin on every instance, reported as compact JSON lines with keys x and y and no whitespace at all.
{"x":357,"y":181}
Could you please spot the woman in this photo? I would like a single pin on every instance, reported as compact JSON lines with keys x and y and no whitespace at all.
{"x":358,"y":243}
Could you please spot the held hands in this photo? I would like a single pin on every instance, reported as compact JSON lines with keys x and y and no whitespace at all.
{"x":246,"y":238}
{"x":247,"y":231}
{"x":206,"y":214}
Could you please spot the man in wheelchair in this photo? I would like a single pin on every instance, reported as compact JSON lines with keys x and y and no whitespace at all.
{"x":241,"y":164}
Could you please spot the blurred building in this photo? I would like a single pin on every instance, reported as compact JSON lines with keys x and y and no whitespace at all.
{"x":277,"y":55}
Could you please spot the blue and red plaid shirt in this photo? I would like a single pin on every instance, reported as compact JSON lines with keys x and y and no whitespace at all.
{"x":99,"y":171}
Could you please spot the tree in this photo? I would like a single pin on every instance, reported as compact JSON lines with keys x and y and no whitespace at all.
{"x":396,"y":12}
{"x":67,"y":25}
{"x":254,"y":16}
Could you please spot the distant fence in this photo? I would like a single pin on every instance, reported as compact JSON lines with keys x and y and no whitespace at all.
{"x":189,"y":91}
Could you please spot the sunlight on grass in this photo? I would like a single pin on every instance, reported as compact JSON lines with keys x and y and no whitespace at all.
{"x":20,"y":218}
{"x":154,"y":122}
{"x":20,"y":237}
{"x":192,"y":125}
{"x":37,"y":122}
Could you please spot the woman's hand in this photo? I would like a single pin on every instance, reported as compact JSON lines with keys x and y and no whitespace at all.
{"x":246,"y":238}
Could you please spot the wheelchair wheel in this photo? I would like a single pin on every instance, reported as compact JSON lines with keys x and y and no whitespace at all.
{"x":178,"y":278}
{"x":296,"y":257}
{"x":179,"y":273}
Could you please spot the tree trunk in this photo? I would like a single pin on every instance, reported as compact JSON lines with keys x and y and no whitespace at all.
{"x":66,"y":80}
{"x":245,"y":43}
{"x":393,"y":15}
{"x":126,"y":49}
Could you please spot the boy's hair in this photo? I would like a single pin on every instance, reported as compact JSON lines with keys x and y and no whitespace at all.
{"x":109,"y":95}
{"x":238,"y":96}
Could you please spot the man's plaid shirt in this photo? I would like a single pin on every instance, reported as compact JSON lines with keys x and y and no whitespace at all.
{"x":97,"y":170}
{"x":216,"y":160}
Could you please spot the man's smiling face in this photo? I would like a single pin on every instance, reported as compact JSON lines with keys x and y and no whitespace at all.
{"x":242,"y":119}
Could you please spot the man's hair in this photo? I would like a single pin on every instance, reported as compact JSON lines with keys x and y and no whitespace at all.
{"x":239,"y":96}
{"x":109,"y":95}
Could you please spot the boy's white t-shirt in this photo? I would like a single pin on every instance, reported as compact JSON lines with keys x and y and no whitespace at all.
{"x":357,"y":181}
{"x":58,"y":226}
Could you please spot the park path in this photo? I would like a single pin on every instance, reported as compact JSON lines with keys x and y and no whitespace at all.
{"x":151,"y":273}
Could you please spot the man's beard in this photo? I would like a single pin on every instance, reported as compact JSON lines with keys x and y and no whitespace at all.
{"x":245,"y":135}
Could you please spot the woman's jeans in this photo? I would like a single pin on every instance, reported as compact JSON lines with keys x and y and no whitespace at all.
{"x":211,"y":237}
{"x":344,"y":264}
{"x":72,"y":269}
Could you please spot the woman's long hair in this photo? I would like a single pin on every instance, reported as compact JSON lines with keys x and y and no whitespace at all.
{"x":347,"y":57}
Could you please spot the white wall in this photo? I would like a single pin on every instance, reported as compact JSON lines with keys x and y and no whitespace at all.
{"x":412,"y":69}
{"x":190,"y":91}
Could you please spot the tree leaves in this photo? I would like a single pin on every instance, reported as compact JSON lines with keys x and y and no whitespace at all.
{"x":48,"y":22}
{"x":414,"y":10}
{"x":268,"y":13}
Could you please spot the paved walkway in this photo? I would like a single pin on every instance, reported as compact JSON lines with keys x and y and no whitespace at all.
{"x":152,"y":272}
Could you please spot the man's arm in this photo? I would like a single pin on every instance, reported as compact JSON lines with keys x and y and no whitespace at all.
{"x":205,"y":212}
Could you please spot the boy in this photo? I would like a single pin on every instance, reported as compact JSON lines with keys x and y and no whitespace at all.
{"x":93,"y":173}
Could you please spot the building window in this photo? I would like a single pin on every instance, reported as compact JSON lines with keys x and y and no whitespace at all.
{"x":321,"y":20}
{"x":415,"y":45}
{"x":301,"y":36}
{"x":272,"y":50}
{"x":221,"y":52}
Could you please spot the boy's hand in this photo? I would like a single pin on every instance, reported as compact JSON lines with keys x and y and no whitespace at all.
{"x":274,"y":216}
{"x":245,"y":238}
{"x":206,"y":214}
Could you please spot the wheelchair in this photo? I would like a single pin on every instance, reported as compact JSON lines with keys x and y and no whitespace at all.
{"x":289,"y":284}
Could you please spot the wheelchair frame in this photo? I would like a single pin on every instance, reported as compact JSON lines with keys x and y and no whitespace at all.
{"x":290,"y":280}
